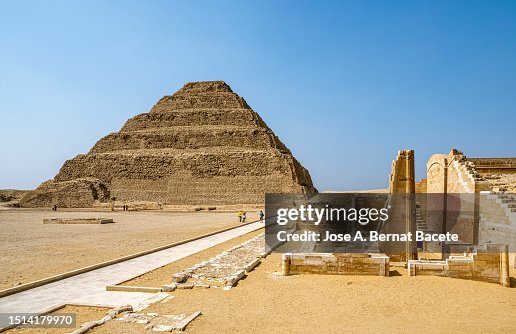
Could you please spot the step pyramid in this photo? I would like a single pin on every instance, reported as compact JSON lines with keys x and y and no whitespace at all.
{"x":201,"y":145}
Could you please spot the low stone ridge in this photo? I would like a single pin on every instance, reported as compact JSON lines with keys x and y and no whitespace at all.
{"x":201,"y":145}
{"x":78,"y":221}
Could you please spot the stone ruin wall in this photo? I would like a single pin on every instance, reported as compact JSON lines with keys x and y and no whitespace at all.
{"x":488,"y":216}
{"x":490,"y":166}
{"x":497,"y":201}
{"x":456,"y":173}
{"x":487,"y":265}
{"x":421,"y":187}
{"x":451,"y":175}
{"x":497,"y":223}
{"x":336,"y":264}
{"x":202,"y":145}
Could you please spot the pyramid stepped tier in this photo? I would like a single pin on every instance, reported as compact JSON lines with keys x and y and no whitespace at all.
{"x":202,"y":145}
{"x":185,"y":100}
{"x":202,"y":117}
{"x":199,"y":95}
{"x":192,"y":177}
{"x":198,"y":164}
{"x":183,"y":137}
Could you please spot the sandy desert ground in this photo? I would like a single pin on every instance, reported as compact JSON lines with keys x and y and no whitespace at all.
{"x":32,"y":250}
{"x":266,"y":302}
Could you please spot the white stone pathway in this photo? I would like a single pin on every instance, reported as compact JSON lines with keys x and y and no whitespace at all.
{"x":90,"y":288}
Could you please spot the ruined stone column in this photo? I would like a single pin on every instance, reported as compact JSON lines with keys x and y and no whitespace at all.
{"x":505,"y":279}
{"x":402,"y":187}
{"x":285,"y":264}
{"x":410,"y":215}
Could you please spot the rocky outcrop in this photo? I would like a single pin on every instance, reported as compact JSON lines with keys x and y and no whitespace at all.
{"x":201,"y":145}
{"x":10,"y":195}
{"x":10,"y":198}
{"x":76,"y":193}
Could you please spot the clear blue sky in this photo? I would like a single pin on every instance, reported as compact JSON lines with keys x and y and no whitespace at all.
{"x":344,"y":84}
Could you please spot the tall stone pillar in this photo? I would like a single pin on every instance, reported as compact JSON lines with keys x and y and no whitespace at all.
{"x":410,"y":201}
{"x":505,"y":279}
{"x":402,"y":188}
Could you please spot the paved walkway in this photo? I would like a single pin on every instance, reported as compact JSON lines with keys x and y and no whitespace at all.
{"x":90,"y":288}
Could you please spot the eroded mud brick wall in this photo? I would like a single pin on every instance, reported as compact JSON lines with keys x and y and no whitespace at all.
{"x":201,"y":145}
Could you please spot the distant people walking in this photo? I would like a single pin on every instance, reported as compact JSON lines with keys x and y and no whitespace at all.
{"x":244,"y":216}
{"x":261,"y":216}
{"x":54,"y":207}
{"x":240,"y":213}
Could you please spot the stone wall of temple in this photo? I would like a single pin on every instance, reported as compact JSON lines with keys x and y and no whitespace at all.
{"x":479,"y":201}
{"x":487,"y":265}
{"x":336,"y":264}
